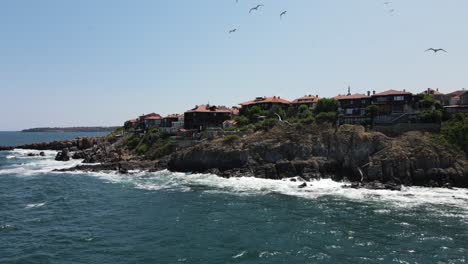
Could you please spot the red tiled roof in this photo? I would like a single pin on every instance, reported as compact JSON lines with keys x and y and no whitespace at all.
{"x":392,"y":92}
{"x":352,"y":96}
{"x":235,"y":111}
{"x":209,"y":109}
{"x":306,"y":100}
{"x":432,"y":91}
{"x":456,"y":93}
{"x":172,"y":116}
{"x":262,"y":100}
{"x":153,"y":118}
{"x":133,"y":121}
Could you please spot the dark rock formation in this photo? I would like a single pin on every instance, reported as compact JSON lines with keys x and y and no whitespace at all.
{"x":3,"y":148}
{"x":372,"y":159}
{"x":42,"y":154}
{"x":63,"y":155}
{"x":75,"y":144}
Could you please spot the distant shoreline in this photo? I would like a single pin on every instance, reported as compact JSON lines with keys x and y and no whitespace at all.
{"x":70,"y":129}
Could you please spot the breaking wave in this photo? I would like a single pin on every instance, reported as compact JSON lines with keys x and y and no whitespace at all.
{"x":209,"y":183}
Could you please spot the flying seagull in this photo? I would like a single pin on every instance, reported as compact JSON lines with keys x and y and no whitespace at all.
{"x":387,"y":3}
{"x":254,"y":8}
{"x":232,"y":30}
{"x":436,"y":50}
{"x":282,"y":14}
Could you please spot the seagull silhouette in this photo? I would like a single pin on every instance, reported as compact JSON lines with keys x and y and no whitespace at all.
{"x":435,"y":50}
{"x":254,"y":8}
{"x":232,"y":30}
{"x":282,"y":14}
{"x":387,"y":3}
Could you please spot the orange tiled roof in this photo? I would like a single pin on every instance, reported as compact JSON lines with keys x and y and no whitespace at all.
{"x":352,"y":96}
{"x":153,"y":118}
{"x":262,"y":100}
{"x":209,"y":109}
{"x":456,"y":93}
{"x":392,"y":92}
{"x":172,"y":116}
{"x":306,"y":100}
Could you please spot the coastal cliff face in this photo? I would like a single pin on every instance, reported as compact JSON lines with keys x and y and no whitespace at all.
{"x":367,"y":159}
{"x":348,"y":152}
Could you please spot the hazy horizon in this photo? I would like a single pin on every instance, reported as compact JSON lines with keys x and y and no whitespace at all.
{"x":99,"y":63}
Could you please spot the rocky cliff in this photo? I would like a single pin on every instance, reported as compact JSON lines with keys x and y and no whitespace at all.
{"x":367,"y":159}
{"x":348,"y":152}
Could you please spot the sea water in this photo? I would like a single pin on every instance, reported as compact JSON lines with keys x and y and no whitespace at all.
{"x":165,"y":217}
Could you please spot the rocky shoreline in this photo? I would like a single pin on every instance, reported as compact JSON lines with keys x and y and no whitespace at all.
{"x":349,"y":153}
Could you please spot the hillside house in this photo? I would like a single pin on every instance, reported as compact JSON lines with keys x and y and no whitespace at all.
{"x":206,"y":116}
{"x":309,"y":100}
{"x":266,"y":103}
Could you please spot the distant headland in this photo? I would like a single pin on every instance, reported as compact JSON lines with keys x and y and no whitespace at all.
{"x":70,"y":129}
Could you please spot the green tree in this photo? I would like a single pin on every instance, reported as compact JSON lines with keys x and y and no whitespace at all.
{"x":327,"y":117}
{"x":430,"y":116}
{"x":455,"y":131}
{"x":325,"y":105}
{"x":372,"y":111}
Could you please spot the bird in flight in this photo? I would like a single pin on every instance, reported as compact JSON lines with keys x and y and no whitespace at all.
{"x":282,"y":14}
{"x":436,"y":50}
{"x":391,"y":10}
{"x":254,"y":8}
{"x":232,"y":30}
{"x":387,"y":3}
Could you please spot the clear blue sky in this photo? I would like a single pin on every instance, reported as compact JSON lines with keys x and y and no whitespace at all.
{"x":89,"y":62}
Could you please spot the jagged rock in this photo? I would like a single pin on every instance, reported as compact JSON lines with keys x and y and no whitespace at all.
{"x":63,"y":155}
{"x":31,"y":154}
{"x":3,"y":148}
{"x":79,"y":155}
{"x":303,"y":185}
{"x":42,"y":154}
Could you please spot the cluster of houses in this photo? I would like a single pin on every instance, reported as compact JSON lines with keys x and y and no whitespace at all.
{"x":393,"y":106}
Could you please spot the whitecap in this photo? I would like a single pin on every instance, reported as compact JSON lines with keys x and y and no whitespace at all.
{"x":239,"y":255}
{"x":35,"y":205}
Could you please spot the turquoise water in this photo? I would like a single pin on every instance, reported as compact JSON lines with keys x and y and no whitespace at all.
{"x":19,"y":138}
{"x":164,"y":217}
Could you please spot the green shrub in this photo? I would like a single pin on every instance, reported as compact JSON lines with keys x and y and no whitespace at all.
{"x":242,"y":121}
{"x":247,"y":127}
{"x":326,"y":105}
{"x":326,"y":117}
{"x":430,"y":116}
{"x":455,"y":131}
{"x":266,"y":124}
{"x":141,"y":149}
{"x":230,"y":138}
{"x":132,"y":143}
{"x":231,"y":128}
{"x":307,"y":121}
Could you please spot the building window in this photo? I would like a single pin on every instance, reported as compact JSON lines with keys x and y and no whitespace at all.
{"x":399,"y":98}
{"x":363,"y":102}
{"x":382,"y":99}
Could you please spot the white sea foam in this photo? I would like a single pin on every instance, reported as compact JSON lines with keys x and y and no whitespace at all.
{"x":239,"y":255}
{"x":35,"y":205}
{"x":165,"y":180}
{"x":31,"y":165}
{"x":408,"y":197}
